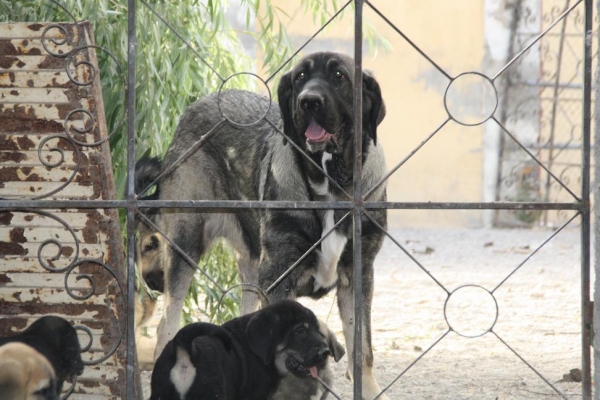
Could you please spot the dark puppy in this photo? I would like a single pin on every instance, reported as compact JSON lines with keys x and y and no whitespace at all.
{"x":56,"y":339}
{"x":25,"y":374}
{"x":244,"y":157}
{"x":245,"y":358}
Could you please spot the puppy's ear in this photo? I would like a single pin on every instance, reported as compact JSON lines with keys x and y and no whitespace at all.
{"x":262,"y":334}
{"x":337,"y":350}
{"x":373,"y":105}
{"x":285,"y":91}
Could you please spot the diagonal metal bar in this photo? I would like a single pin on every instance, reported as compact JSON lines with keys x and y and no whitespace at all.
{"x":530,"y":366}
{"x":536,"y":39}
{"x":421,"y":52}
{"x":164,"y":21}
{"x":559,"y":149}
{"x":180,"y":251}
{"x":366,"y":214}
{"x":303,"y":153}
{"x":314,"y":246}
{"x":535,"y":158}
{"x":308,"y":41}
{"x":534,"y":252}
{"x":330,"y":390}
{"x":408,"y":157}
{"x":189,"y":151}
{"x":413,"y":363}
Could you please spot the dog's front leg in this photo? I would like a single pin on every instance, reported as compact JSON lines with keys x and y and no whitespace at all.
{"x":345,"y":295}
{"x":251,"y":298}
{"x":178,"y":276}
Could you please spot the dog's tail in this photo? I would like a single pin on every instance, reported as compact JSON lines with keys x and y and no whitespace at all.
{"x":188,"y":333}
{"x":147,"y":169}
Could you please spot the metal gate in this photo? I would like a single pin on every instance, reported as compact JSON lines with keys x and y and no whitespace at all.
{"x":540,"y":167}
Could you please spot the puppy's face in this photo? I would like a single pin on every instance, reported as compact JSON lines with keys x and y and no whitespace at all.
{"x":303,"y":351}
{"x":307,"y":349}
{"x":26,"y":374}
{"x":289,"y":335}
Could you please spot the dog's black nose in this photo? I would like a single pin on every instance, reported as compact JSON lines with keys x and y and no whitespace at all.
{"x":311,"y":101}
{"x":323,"y":354}
{"x":155,"y":280}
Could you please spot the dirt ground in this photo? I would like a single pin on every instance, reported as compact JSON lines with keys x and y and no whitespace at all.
{"x":525,"y":315}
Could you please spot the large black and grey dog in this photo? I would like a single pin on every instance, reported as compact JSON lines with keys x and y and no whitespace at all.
{"x":247,"y":357}
{"x":252,"y":160}
{"x":56,"y":339}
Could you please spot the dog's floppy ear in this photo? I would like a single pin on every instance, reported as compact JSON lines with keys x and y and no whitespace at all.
{"x":285,"y":91}
{"x":337,"y":350}
{"x":373,"y":105}
{"x":262,"y":334}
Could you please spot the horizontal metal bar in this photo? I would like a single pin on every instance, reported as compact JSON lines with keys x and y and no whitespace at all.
{"x":214,"y":205}
{"x":473,"y":206}
{"x":204,"y":204}
{"x":577,"y":86}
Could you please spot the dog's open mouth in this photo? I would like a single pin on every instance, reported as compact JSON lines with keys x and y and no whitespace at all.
{"x":298,"y":369}
{"x":315,"y":133}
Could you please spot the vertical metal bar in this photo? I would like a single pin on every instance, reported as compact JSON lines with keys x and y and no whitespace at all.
{"x":585,"y":192}
{"x":595,"y":310}
{"x":555,"y":94}
{"x":585,"y":214}
{"x":131,"y":53}
{"x":357,"y":200}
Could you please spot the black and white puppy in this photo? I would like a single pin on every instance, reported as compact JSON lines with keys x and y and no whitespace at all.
{"x":245,"y":358}
{"x":56,"y":339}
{"x":25,"y":374}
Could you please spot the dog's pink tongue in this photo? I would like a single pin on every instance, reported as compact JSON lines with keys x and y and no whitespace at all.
{"x":315,"y":131}
{"x":313,"y":371}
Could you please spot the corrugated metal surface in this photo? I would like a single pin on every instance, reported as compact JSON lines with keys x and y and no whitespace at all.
{"x":62,"y":261}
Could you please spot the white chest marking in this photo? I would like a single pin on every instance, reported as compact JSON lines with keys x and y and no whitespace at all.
{"x":331,"y":251}
{"x":183,"y":373}
{"x":322,"y":188}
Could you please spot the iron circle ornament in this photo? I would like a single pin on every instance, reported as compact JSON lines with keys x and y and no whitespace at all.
{"x":248,"y":287}
{"x":230,"y":118}
{"x":470,"y":301}
{"x":459,"y":99}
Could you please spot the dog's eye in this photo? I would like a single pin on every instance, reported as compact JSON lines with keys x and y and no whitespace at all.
{"x":339,"y":74}
{"x":151,"y":245}
{"x":300,"y":330}
{"x":300,"y":77}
